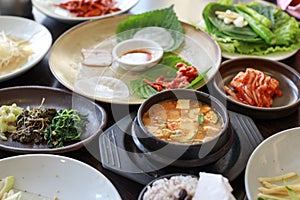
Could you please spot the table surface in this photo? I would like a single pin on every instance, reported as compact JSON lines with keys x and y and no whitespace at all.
{"x":41,"y":75}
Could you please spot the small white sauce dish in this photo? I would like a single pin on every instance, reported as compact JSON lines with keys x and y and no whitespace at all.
{"x":137,"y":54}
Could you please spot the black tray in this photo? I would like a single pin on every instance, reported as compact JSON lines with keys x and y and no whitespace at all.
{"x":119,"y":153}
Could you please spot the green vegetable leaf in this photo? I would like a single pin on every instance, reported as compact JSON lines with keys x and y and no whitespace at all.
{"x":260,"y":28}
{"x":291,"y":193}
{"x":266,"y":11}
{"x":165,"y":18}
{"x":225,"y":2}
{"x":200,"y":118}
{"x":217,"y":27}
{"x":66,"y":126}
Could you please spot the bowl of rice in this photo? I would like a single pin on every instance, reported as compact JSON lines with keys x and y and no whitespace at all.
{"x":171,"y":186}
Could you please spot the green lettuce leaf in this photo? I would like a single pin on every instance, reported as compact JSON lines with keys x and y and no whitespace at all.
{"x":286,"y":28}
{"x":165,"y":18}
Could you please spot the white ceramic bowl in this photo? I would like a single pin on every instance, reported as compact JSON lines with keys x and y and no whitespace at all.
{"x":37,"y":35}
{"x":276,"y":155}
{"x":57,"y":176}
{"x":137,"y":54}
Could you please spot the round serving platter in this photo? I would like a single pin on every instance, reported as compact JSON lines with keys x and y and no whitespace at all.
{"x":54,"y":98}
{"x":65,"y":59}
{"x":38,"y":37}
{"x":49,"y":176}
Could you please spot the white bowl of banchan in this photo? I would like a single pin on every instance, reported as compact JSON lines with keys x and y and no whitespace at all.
{"x":137,"y":54}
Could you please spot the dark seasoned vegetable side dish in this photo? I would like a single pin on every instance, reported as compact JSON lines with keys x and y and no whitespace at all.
{"x":38,"y":125}
{"x":32,"y":123}
{"x":183,"y":121}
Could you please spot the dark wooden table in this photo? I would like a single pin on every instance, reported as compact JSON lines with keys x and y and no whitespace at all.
{"x":128,"y":189}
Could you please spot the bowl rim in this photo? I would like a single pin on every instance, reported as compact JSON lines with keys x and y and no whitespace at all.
{"x":257,"y":150}
{"x":255,"y":108}
{"x":225,"y":118}
{"x":154,"y":47}
{"x":167,"y":176}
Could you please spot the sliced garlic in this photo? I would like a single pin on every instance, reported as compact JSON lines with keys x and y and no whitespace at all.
{"x":232,"y":17}
{"x":240,"y":22}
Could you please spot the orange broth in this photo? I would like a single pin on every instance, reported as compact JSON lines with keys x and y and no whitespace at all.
{"x":183,"y":121}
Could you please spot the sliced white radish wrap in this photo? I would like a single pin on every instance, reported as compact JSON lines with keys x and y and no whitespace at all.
{"x":103,"y":87}
{"x":157,"y":34}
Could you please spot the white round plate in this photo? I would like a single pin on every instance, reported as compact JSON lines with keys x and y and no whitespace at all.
{"x":275,"y":156}
{"x":36,"y":34}
{"x":272,"y":56}
{"x":57,"y":176}
{"x":198,"y":48}
{"x":49,"y":8}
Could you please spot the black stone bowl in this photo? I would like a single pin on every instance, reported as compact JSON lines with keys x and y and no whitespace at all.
{"x":183,"y":155}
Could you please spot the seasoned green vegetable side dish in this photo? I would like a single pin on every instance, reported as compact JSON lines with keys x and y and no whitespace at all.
{"x":253,"y":29}
{"x":38,"y":125}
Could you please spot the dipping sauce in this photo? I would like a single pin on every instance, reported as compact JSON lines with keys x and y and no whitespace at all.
{"x":137,"y":56}
{"x":183,"y":121}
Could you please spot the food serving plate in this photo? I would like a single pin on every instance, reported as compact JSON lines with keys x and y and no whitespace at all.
{"x":272,"y":56}
{"x":120,"y":154}
{"x":65,"y":60}
{"x":49,"y":8}
{"x":277,"y":155}
{"x":198,"y":20}
{"x":54,"y":98}
{"x":38,"y":36}
{"x":46,"y":176}
{"x":289,"y":80}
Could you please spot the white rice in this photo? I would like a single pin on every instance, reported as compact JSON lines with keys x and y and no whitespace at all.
{"x":168,"y":189}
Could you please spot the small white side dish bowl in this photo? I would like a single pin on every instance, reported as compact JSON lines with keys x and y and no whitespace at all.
{"x":277,"y":155}
{"x":38,"y":36}
{"x":50,"y":176}
{"x":137,"y":54}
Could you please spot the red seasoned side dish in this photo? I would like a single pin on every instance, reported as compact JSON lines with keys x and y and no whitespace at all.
{"x":185,"y":75}
{"x":89,"y":8}
{"x":253,"y":87}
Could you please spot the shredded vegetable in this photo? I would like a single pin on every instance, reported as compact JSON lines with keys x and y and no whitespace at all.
{"x":32,"y":123}
{"x":9,"y":49}
{"x":282,"y":187}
